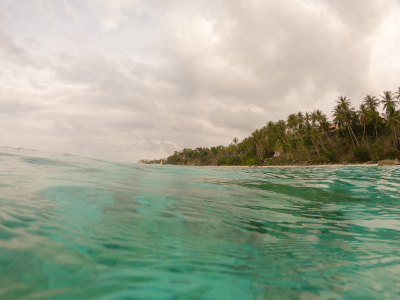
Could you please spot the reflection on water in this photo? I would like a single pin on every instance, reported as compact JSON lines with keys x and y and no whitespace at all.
{"x":76,"y":228}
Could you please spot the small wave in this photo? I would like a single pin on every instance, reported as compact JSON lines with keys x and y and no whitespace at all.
{"x":73,"y":227}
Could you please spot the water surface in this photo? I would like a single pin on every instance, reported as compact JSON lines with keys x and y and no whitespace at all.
{"x":78,"y":228}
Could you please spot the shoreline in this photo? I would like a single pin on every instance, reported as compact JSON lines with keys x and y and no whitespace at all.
{"x":381,"y":163}
{"x":295,"y":166}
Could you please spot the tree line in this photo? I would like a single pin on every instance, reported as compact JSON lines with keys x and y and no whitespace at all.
{"x":370,"y":133}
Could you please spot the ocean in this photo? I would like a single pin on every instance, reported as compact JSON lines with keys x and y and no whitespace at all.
{"x":79,"y":228}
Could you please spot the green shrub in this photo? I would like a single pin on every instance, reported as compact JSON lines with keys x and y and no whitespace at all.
{"x":233,"y":161}
{"x":293,"y":143}
{"x":307,"y":141}
{"x":221,"y":161}
{"x":393,"y":154}
{"x":332,"y":156}
{"x":250,"y":161}
{"x":377,"y":151}
{"x":362,"y":153}
{"x":204,"y":160}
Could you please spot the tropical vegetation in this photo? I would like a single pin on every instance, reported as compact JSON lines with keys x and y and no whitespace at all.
{"x":351,"y":136}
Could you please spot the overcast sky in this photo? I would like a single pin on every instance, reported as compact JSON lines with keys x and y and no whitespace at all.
{"x":122,"y":80}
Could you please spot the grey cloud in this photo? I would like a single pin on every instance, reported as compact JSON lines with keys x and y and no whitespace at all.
{"x":157,"y":75}
{"x":94,"y":72}
{"x":243,"y":119}
{"x":18,"y":106}
{"x":268,"y":52}
{"x":360,"y":18}
{"x":12,"y":52}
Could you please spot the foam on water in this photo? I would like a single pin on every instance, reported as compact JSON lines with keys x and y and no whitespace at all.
{"x":78,"y":228}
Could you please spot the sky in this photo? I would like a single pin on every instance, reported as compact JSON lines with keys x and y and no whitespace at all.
{"x":124,"y":80}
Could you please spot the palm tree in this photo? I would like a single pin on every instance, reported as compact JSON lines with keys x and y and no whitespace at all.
{"x":271,"y":129}
{"x":319,"y":115}
{"x":398,"y":94}
{"x":364,"y":116}
{"x":318,"y":118}
{"x":338,"y":118}
{"x":272,"y":138}
{"x":281,"y":130}
{"x":393,"y":121}
{"x":325,"y":127}
{"x":258,"y":139}
{"x":388,"y":101}
{"x":307,"y":118}
{"x":314,"y":118}
{"x":343,"y":114}
{"x":314,"y":135}
{"x":292,"y":122}
{"x":372,"y":105}
{"x":300,"y":119}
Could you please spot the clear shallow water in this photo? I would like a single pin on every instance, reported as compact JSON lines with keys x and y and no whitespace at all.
{"x":77,"y":228}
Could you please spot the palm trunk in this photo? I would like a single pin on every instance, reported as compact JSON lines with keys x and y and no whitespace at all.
{"x":322,"y":144}
{"x":351,"y":137}
{"x":363,"y":132}
{"x":329,"y":140}
{"x":354,"y":136}
{"x":395,"y":135}
{"x":316,"y":147}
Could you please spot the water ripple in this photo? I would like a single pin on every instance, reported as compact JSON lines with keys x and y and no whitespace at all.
{"x":77,"y":228}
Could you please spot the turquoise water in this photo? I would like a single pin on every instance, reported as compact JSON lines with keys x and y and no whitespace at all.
{"x":78,"y":228}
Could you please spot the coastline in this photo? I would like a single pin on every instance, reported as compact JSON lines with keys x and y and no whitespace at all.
{"x":296,"y":166}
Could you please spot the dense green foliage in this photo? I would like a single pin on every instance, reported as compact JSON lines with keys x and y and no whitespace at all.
{"x":310,"y":138}
{"x":362,"y":153}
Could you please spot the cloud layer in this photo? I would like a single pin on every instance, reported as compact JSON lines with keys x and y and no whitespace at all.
{"x":124,"y":80}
